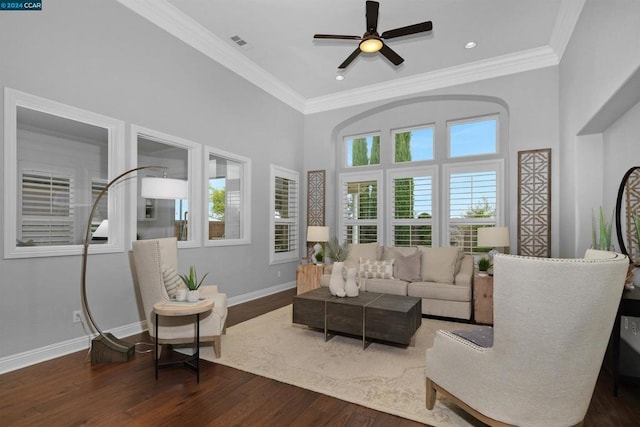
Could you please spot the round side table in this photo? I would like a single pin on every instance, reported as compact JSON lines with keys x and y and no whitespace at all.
{"x":170,"y":308}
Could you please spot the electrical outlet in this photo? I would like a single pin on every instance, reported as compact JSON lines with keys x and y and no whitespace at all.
{"x":77,"y":316}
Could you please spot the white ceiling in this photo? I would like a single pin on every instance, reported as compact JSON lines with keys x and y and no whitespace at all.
{"x":282,"y":57}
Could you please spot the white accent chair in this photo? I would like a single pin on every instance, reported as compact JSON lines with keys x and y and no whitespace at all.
{"x":147,"y":261}
{"x":552,"y":322}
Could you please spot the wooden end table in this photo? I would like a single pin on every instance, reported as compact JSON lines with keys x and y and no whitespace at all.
{"x":308,"y":277}
{"x":483,"y":298}
{"x":170,"y":308}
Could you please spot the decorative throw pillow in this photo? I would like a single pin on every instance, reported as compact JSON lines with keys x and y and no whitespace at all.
{"x":171,"y":280}
{"x":371,"y":269}
{"x":407,"y":268}
{"x":438,"y":264}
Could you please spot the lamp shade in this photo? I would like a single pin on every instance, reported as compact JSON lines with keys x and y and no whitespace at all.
{"x":317,"y":233}
{"x":164,"y":188}
{"x":102,"y":231}
{"x":493,"y":237}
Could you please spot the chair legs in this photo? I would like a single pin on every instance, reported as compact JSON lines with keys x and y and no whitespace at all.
{"x":217,"y":346}
{"x":431,"y":395}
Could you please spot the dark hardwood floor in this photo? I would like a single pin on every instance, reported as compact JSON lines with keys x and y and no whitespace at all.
{"x":69,"y":392}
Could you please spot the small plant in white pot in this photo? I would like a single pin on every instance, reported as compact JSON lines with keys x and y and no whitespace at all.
{"x":193,"y":284}
{"x":484,"y":264}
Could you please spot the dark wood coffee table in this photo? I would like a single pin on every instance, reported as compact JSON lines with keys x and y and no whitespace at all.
{"x":370,"y":315}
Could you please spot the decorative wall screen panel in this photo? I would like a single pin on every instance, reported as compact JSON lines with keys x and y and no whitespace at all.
{"x":632,"y":207}
{"x":534,"y":203}
{"x":315,"y":202}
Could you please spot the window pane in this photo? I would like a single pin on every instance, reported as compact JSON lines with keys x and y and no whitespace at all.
{"x":284,"y":220}
{"x":412,"y":206}
{"x":363,"y":151}
{"x":159,"y":218}
{"x":52,"y":153}
{"x":473,"y":138}
{"x":362,"y":233}
{"x":362,"y":200}
{"x":413,"y":145}
{"x":225,"y":198}
{"x":472,"y":204}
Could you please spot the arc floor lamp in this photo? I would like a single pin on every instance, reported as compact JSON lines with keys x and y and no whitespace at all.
{"x":105,"y":347}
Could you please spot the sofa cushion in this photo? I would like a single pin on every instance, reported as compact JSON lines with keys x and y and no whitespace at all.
{"x":371,"y":251}
{"x":393,"y":252}
{"x":384,"y":286}
{"x":375,"y":269}
{"x":439,"y":291}
{"x":407,"y":268}
{"x":459,"y":260}
{"x":438,"y":264}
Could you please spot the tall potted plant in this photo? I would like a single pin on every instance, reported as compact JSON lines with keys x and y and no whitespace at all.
{"x":601,"y":240}
{"x":193,"y":284}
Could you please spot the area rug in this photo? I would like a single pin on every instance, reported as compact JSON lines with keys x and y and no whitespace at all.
{"x":382,"y":377}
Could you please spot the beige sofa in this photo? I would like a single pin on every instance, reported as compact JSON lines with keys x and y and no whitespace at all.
{"x":442,"y":277}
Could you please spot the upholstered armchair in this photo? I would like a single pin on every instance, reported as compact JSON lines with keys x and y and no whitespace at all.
{"x":539,"y":363}
{"x":148,"y":260}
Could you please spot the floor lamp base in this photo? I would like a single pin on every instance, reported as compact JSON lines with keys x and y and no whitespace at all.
{"x":103,"y":351}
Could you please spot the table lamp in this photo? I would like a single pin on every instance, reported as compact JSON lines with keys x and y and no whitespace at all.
{"x":319,"y":235}
{"x":106,"y":347}
{"x":493,"y":237}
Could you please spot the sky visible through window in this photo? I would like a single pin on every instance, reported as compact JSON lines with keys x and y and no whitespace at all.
{"x":469,"y":138}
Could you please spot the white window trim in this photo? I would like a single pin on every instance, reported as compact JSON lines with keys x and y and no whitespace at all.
{"x":476,"y":166}
{"x":278,"y":258}
{"x":194,"y":174}
{"x":472,"y":120}
{"x":392,"y":152}
{"x":435,"y":198}
{"x":245,"y":211}
{"x":345,"y":177}
{"x":14,"y":99}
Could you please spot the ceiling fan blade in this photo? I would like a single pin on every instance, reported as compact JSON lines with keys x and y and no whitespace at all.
{"x":405,"y":31}
{"x":336,"y":36}
{"x":391,"y":55}
{"x":372,"y":16}
{"x":350,"y":59}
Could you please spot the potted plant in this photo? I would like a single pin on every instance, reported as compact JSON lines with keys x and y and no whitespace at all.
{"x":337,"y":252}
{"x":193,"y":284}
{"x":484,"y":264}
{"x":603,"y":240}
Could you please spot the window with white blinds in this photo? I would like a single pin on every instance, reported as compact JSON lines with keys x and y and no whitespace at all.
{"x":474,"y":201}
{"x":412,"y":205}
{"x":285,"y":217}
{"x":361,"y":207}
{"x":47,"y":209}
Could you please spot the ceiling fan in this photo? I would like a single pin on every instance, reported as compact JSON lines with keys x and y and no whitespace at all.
{"x":371,"y":41}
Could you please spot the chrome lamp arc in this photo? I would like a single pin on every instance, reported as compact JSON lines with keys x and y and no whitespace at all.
{"x":105,"y":347}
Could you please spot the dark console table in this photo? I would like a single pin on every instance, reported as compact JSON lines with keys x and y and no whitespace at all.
{"x":629,"y":306}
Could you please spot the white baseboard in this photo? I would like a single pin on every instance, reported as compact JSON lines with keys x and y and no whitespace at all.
{"x":42,"y":354}
{"x":259,"y":294}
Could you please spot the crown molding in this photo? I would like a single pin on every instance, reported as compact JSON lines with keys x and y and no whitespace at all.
{"x":481,"y":70}
{"x":172,"y":20}
{"x":565,"y":24}
{"x":176,"y":23}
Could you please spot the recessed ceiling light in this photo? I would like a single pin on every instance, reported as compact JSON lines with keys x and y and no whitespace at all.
{"x":339,"y":77}
{"x":470,"y":45}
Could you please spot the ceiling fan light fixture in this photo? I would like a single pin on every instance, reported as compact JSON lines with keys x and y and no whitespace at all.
{"x":371,"y":45}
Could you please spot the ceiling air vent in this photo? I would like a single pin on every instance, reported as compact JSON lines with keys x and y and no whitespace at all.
{"x":238,"y":40}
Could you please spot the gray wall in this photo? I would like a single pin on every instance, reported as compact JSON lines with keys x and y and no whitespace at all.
{"x":601,"y":55}
{"x":530,"y":100}
{"x":101,"y":57}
